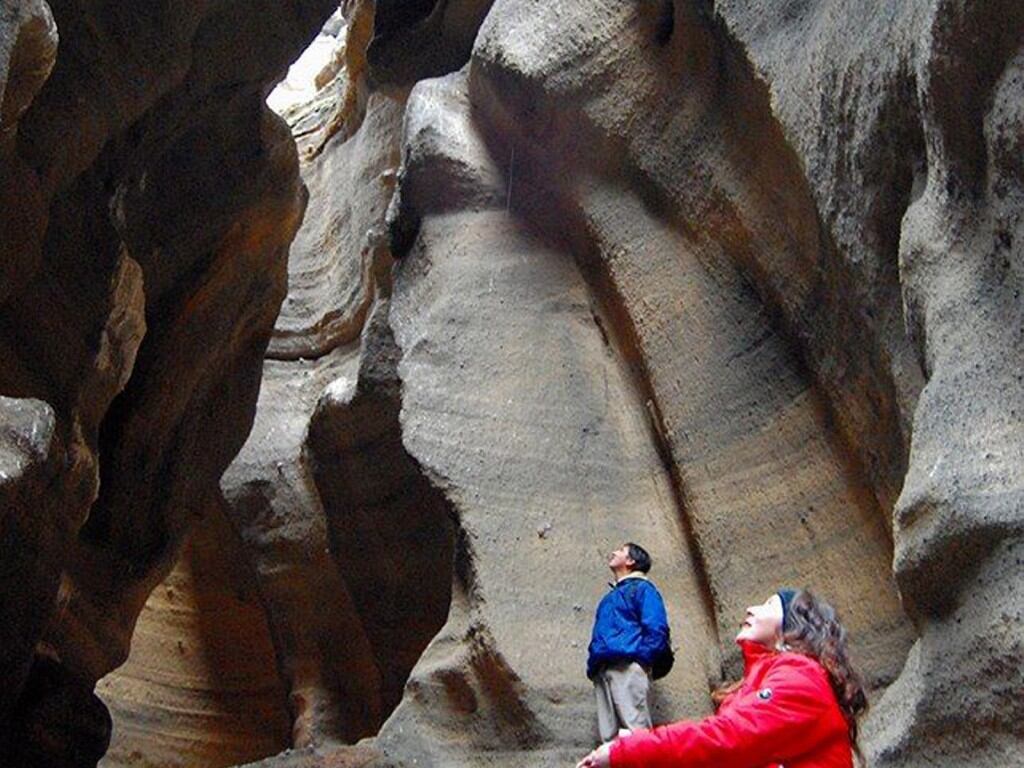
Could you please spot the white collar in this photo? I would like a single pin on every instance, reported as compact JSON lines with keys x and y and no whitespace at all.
{"x":630,"y":575}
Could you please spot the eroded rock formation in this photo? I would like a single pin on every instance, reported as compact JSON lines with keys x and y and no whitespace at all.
{"x":201,"y":684}
{"x":149,"y":198}
{"x":739,"y":280}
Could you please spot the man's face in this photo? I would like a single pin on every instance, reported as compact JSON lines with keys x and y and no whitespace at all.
{"x":620,"y":558}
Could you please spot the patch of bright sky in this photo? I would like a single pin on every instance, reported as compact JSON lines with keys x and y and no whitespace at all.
{"x":299,"y":84}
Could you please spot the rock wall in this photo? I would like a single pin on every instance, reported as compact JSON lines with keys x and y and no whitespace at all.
{"x":200,"y":686}
{"x":149,"y":199}
{"x":739,"y":280}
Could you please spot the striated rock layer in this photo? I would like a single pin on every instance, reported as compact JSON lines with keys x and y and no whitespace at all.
{"x":200,"y":686}
{"x":148,"y":202}
{"x":738,"y":280}
{"x":647,"y":288}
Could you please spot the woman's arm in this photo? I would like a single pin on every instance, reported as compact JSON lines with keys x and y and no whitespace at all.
{"x":785,"y":718}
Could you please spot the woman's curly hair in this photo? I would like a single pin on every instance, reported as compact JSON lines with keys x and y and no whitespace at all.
{"x":813,"y":628}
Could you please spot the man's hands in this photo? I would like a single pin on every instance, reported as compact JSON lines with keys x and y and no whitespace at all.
{"x":599,"y":758}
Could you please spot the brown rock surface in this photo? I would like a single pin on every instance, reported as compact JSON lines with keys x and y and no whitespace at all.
{"x":29,"y":461}
{"x":737,"y":279}
{"x":339,"y":254}
{"x":339,"y":690}
{"x":417,"y":39}
{"x":28,"y":50}
{"x":148,"y":202}
{"x":768,"y":485}
{"x":200,"y":686}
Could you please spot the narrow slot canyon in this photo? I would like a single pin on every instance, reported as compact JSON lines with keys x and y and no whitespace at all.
{"x":343,"y":341}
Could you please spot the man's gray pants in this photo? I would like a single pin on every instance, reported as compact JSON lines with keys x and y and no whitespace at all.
{"x":621,"y":691}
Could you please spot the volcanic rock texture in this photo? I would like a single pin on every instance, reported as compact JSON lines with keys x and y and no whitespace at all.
{"x":738,"y":280}
{"x":148,"y":202}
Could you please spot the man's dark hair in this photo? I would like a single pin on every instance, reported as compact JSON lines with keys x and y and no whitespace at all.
{"x":641,"y":560}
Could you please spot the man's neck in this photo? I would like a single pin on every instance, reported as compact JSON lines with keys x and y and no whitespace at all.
{"x":625,"y":573}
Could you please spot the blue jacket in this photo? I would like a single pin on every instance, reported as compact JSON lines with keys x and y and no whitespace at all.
{"x":630,"y":625}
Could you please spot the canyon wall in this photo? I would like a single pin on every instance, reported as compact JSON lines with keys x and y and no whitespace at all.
{"x":149,"y":199}
{"x":737,"y":280}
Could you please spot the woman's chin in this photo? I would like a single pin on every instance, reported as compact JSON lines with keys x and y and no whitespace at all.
{"x":745,"y":635}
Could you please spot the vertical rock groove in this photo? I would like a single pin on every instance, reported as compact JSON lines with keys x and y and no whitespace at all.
{"x":747,"y":429}
{"x":390,"y":530}
{"x":547,"y":466}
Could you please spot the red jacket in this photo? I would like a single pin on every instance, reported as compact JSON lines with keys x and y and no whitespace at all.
{"x":784,"y":714}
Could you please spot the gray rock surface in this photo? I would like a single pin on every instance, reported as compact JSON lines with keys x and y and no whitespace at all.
{"x":737,"y":279}
{"x":520,"y":411}
{"x":917,"y":112}
{"x":29,"y":459}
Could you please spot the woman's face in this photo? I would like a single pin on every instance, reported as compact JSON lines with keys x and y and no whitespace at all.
{"x":763,"y":623}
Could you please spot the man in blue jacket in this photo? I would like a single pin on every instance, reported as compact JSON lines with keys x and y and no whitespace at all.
{"x":630,"y":631}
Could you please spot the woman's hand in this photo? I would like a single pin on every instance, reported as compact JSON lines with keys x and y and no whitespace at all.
{"x":599,"y":758}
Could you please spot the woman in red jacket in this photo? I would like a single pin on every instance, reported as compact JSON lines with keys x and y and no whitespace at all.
{"x":796,"y":706}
